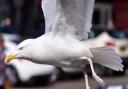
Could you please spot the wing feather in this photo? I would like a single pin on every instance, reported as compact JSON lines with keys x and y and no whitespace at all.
{"x":70,"y":17}
{"x":49,"y":9}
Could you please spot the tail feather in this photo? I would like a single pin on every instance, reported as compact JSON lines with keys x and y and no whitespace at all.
{"x":107,"y":57}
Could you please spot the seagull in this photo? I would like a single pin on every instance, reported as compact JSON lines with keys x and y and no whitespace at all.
{"x":68,"y":23}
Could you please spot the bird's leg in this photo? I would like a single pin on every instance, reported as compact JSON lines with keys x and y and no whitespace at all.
{"x":95,"y":76}
{"x":86,"y":80}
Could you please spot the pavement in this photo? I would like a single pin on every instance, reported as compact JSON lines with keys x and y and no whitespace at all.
{"x":79,"y":83}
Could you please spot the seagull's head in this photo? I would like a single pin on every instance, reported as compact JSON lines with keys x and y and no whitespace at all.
{"x":23,"y":51}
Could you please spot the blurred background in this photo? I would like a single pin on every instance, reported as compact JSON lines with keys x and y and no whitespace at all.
{"x":22,"y":19}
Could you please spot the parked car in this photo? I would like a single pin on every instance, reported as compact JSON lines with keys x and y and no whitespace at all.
{"x":113,"y":39}
{"x":23,"y":71}
{"x":105,"y":37}
{"x":69,"y":73}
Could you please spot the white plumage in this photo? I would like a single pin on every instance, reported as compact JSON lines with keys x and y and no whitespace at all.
{"x":68,"y":23}
{"x":72,"y":16}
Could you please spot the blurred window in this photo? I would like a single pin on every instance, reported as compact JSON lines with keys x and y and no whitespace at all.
{"x":96,"y":17}
{"x":102,"y":15}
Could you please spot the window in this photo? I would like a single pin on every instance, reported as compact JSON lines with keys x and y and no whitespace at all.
{"x":102,"y":15}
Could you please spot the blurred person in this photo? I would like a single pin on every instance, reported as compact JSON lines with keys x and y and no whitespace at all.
{"x":2,"y":65}
{"x":8,"y":27}
{"x":4,"y":83}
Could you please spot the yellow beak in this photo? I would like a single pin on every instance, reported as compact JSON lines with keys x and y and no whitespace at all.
{"x":9,"y":57}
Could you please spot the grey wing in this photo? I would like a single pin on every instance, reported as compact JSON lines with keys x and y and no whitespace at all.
{"x":69,"y":17}
{"x":74,"y":17}
{"x":48,"y":7}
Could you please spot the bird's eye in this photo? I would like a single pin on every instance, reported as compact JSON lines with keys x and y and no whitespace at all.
{"x":21,"y":48}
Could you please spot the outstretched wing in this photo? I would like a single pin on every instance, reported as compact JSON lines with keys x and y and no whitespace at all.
{"x":49,"y":9}
{"x":69,"y":17}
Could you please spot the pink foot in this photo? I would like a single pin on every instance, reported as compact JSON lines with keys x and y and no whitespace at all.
{"x":99,"y":80}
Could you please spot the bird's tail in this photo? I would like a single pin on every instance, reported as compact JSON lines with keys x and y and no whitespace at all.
{"x":107,"y":57}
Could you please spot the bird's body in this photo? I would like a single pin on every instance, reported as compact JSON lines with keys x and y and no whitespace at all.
{"x":61,"y":43}
{"x":62,"y":52}
{"x":68,"y":23}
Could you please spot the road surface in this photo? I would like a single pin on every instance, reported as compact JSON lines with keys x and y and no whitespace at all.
{"x":79,"y":84}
